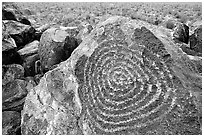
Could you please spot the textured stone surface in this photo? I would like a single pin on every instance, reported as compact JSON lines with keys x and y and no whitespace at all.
{"x":11,"y":72}
{"x":21,"y":33}
{"x":51,"y":46}
{"x":11,"y":121}
{"x":196,"y":40}
{"x":13,"y":95}
{"x":127,"y":77}
{"x":181,"y":33}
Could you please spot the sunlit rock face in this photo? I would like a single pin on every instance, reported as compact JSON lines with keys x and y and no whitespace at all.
{"x":126,"y":77}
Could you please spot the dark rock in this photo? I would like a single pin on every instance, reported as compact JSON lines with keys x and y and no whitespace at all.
{"x":11,"y":121}
{"x":24,"y":20}
{"x":11,"y":72}
{"x":8,"y":14}
{"x":11,"y":57}
{"x":29,"y":49}
{"x":181,"y":33}
{"x":51,"y":48}
{"x":196,"y":40}
{"x":13,"y":95}
{"x":29,"y":65}
{"x":70,"y":45}
{"x":189,"y":51}
{"x":21,"y":33}
{"x":126,"y":77}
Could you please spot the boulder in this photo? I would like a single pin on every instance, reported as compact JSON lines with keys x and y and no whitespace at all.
{"x":127,"y":77}
{"x":29,"y":65}
{"x":29,"y":49}
{"x":51,"y":48}
{"x":11,"y":121}
{"x":181,"y":33}
{"x":21,"y":33}
{"x":13,"y":95}
{"x":11,"y":72}
{"x":196,"y":40}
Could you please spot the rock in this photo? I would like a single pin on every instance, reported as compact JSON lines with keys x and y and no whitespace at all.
{"x":37,"y":78}
{"x":8,"y":14}
{"x":40,"y":30}
{"x":29,"y":65}
{"x":8,"y":43}
{"x":84,"y":32}
{"x":21,"y":33}
{"x":196,"y":40}
{"x":189,"y":51}
{"x":13,"y":95}
{"x":181,"y":33}
{"x":29,"y":49}
{"x":11,"y":72}
{"x":127,"y":77}
{"x":24,"y":20}
{"x":51,"y":48}
{"x":11,"y":121}
{"x":11,"y":56}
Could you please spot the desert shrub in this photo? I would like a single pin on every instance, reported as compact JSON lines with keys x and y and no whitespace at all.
{"x":170,"y":24}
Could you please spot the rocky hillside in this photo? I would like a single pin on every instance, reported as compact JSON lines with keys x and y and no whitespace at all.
{"x":101,"y":68}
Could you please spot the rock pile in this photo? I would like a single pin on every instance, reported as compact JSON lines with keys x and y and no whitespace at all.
{"x":26,"y":51}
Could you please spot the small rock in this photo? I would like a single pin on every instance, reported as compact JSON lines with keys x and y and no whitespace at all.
{"x":11,"y":121}
{"x":24,"y":20}
{"x":29,"y":49}
{"x":11,"y":72}
{"x":13,"y":95}
{"x":21,"y":33}
{"x":196,"y":40}
{"x":29,"y":65}
{"x":189,"y":51}
{"x":11,"y":57}
{"x":8,"y":14}
{"x":181,"y":33}
{"x":8,"y":43}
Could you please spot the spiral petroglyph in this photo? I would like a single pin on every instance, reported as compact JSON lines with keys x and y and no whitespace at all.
{"x":124,"y":89}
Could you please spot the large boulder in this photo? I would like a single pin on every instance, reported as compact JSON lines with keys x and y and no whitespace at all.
{"x":127,"y":77}
{"x":196,"y":40}
{"x":55,"y":46}
{"x":11,"y":121}
{"x":13,"y":95}
{"x":11,"y":72}
{"x":181,"y":33}
{"x":21,"y":33}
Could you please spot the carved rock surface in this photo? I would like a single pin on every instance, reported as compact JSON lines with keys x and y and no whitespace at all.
{"x":127,"y":77}
{"x":11,"y":121}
